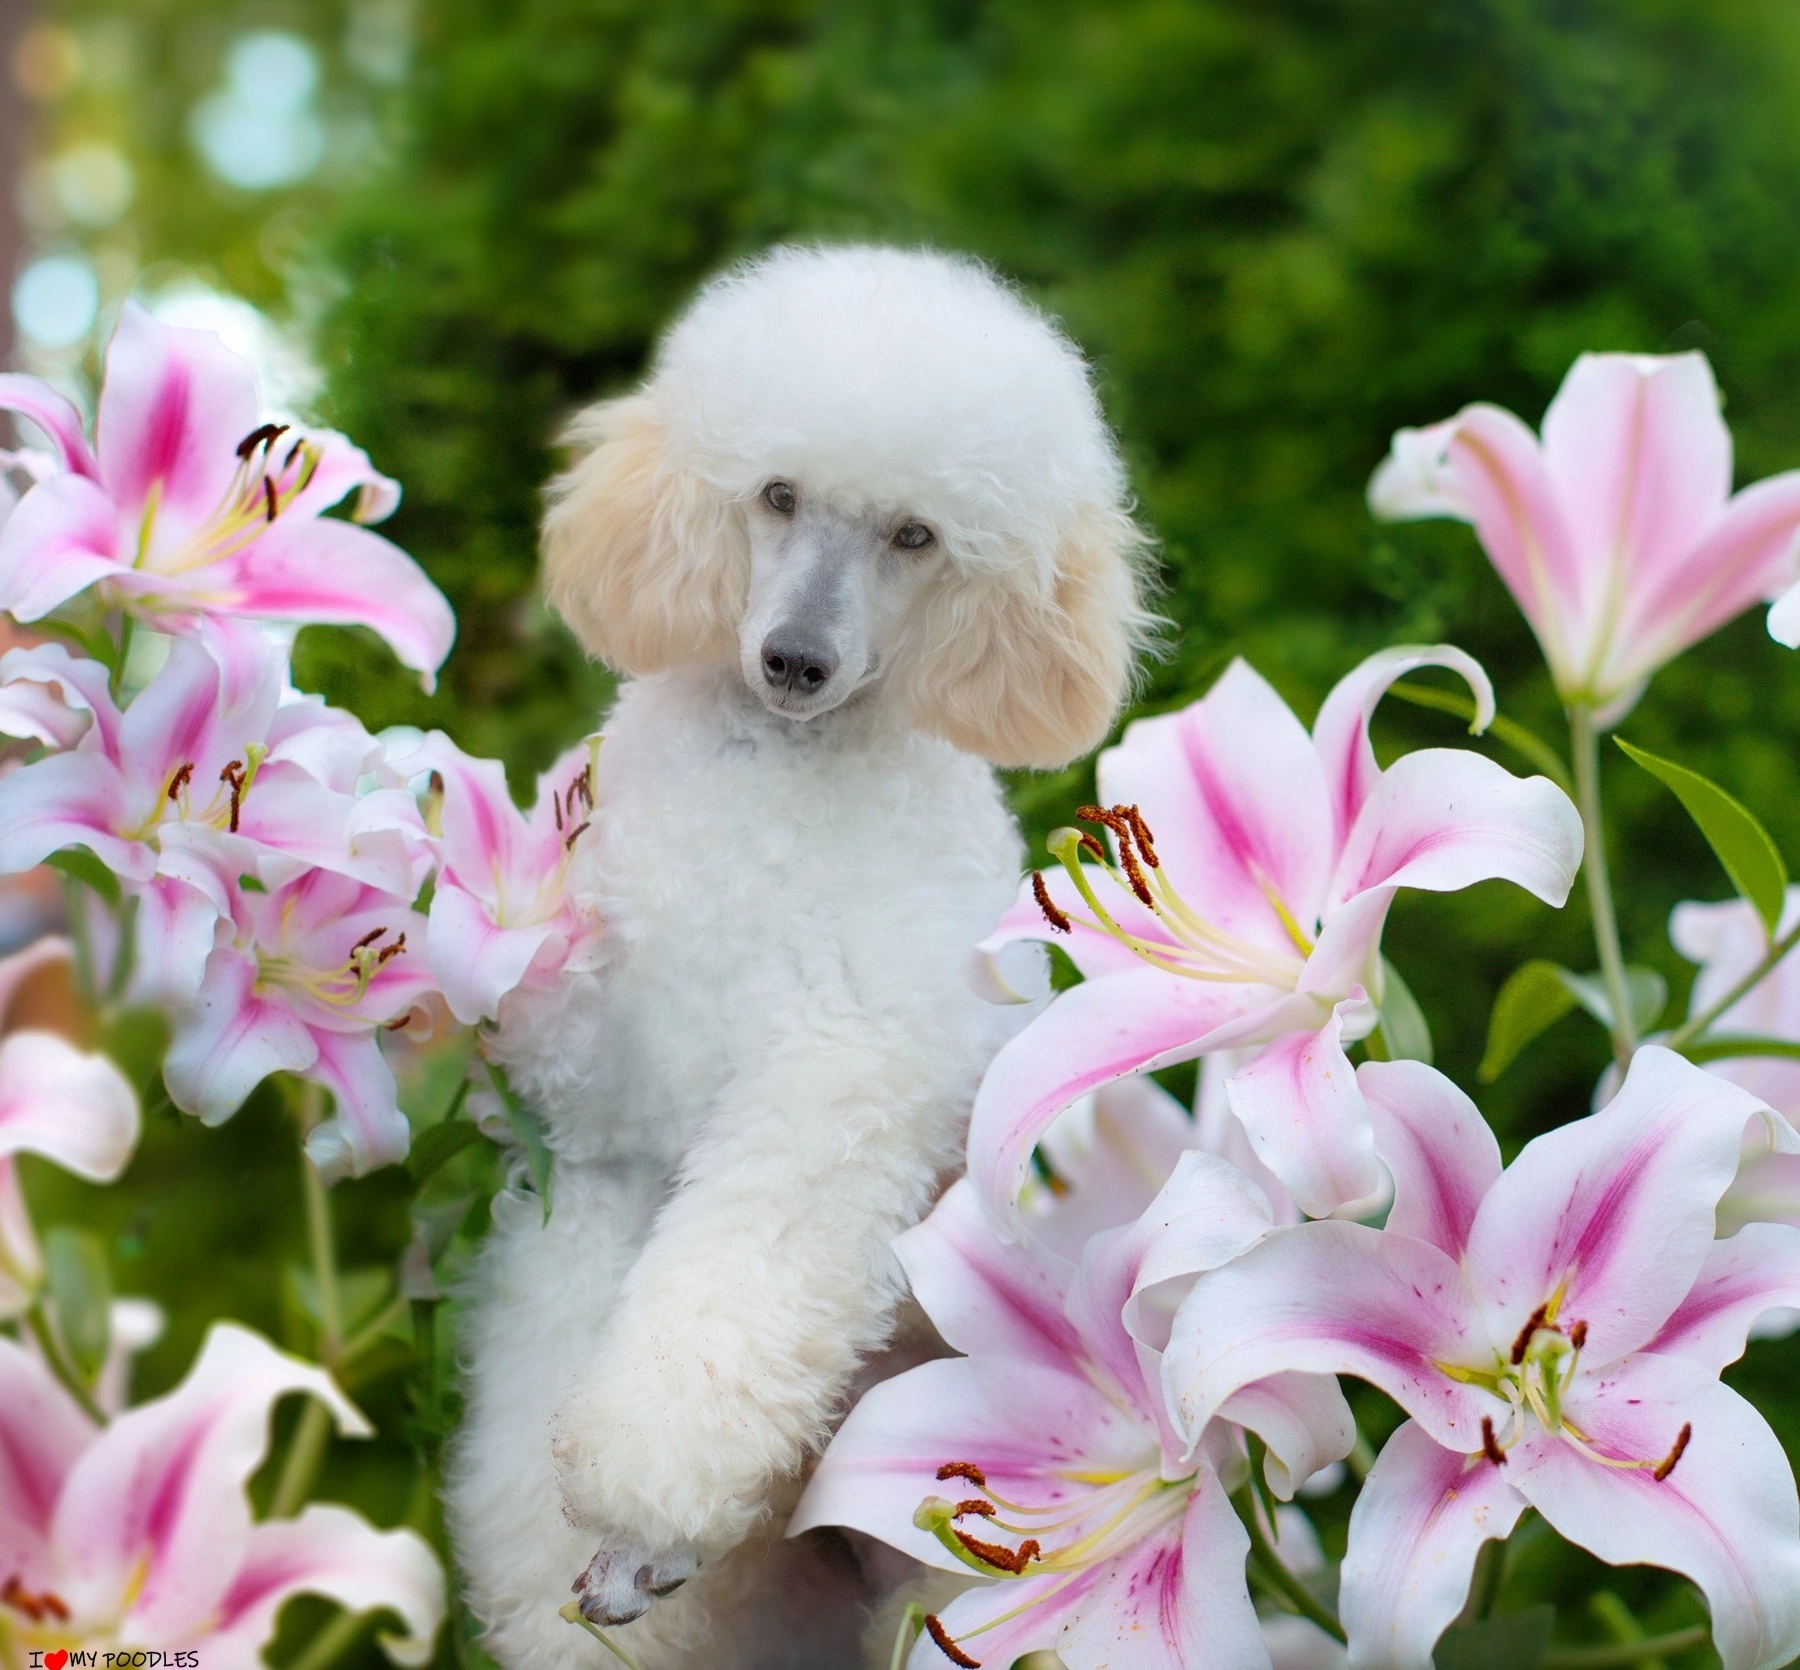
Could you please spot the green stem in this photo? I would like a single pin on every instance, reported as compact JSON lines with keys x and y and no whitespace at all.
{"x":1490,"y":1574}
{"x":1267,"y":1564}
{"x":1501,"y":729}
{"x":312,"y":1437}
{"x":1585,"y":747}
{"x":348,"y":1354}
{"x":912,"y":1623}
{"x":1623,"y":1655}
{"x":1700,"y":1022}
{"x":331,"y":1643}
{"x":300,"y":1466}
{"x":1616,"y":1618}
{"x":38,"y":1321}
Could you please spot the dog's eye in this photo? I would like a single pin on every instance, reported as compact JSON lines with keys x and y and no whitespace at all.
{"x":914,"y":536}
{"x":779,"y":497}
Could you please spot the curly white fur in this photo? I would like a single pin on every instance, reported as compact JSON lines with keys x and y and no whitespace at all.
{"x":770,"y":1075}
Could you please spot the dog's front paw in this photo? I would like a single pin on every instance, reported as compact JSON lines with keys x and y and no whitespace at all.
{"x":622,"y":1583}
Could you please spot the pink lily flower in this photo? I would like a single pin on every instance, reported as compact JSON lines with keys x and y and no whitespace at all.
{"x":206,"y":776}
{"x":71,"y":1107}
{"x":501,"y":913}
{"x":1728,"y":940}
{"x":190,"y":507}
{"x":1241,"y":904}
{"x":1555,"y":1331}
{"x":140,"y":1534}
{"x":1617,"y":533}
{"x":309,"y":975}
{"x":1042,"y":1460}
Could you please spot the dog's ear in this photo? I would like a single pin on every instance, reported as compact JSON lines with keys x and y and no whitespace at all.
{"x":1025,"y":677}
{"x":648,"y":564}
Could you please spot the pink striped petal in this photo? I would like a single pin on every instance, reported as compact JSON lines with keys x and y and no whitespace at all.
{"x":231,"y":1040}
{"x":1415,"y":480}
{"x":174,"y":933}
{"x":333,"y":572}
{"x":1302,"y":1418}
{"x":83,"y":686}
{"x":1433,"y":1140}
{"x":333,"y":1552}
{"x":1299,"y":1103}
{"x":1099,"y":1031}
{"x":1236,"y":800}
{"x":368,"y":1129}
{"x":343,"y":468}
{"x":36,"y":400}
{"x":1756,"y":1271}
{"x":1443,"y":819}
{"x":173,"y":407}
{"x":1334,"y":1298}
{"x":1749,"y":553}
{"x":68,"y":800}
{"x":1421,"y":1519}
{"x":987,"y":1295}
{"x":1027,"y":1427}
{"x":154,"y":1515}
{"x":1341,"y":731}
{"x":1518,"y":516}
{"x":1641,"y":460}
{"x":74,"y":1108}
{"x":1612,"y":1214}
{"x":42,"y":1434}
{"x":1726,"y":1517}
{"x":475,"y":962}
{"x":60,"y":538}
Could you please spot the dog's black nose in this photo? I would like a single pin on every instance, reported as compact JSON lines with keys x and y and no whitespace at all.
{"x":792,"y":664}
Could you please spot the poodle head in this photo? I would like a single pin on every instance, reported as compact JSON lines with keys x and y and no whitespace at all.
{"x":864,"y":472}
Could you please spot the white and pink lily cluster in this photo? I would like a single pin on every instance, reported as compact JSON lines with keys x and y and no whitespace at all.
{"x":1153,"y":1311}
{"x":268,"y":856}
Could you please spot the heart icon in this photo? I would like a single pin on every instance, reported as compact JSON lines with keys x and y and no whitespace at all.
{"x":57,"y":1659}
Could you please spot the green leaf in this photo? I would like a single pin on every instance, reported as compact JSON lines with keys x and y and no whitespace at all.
{"x":80,"y":1290}
{"x":80,"y":863}
{"x":1403,"y":1025}
{"x":1645,"y":989}
{"x":1727,"y":1047}
{"x":439,"y":1143}
{"x":1536,"y":996}
{"x":1742,"y":845}
{"x":529,"y":1129}
{"x":1517,"y":1641}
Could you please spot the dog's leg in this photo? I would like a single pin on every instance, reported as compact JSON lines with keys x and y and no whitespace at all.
{"x":541,"y":1297}
{"x":769,"y":1275}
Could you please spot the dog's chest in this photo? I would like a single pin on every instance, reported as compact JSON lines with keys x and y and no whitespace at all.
{"x":760,"y":882}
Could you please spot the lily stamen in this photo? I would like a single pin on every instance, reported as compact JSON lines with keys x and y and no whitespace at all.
{"x":946,"y":1645}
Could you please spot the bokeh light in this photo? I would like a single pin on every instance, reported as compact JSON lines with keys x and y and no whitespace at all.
{"x":55,"y":300}
{"x":259,"y":131}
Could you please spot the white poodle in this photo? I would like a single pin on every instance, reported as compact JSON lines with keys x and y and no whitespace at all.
{"x":860,"y":537}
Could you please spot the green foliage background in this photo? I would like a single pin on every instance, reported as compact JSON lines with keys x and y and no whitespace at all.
{"x":1281,"y":228}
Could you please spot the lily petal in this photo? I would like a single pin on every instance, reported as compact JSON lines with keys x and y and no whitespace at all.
{"x":1443,"y":819}
{"x":1341,"y":731}
{"x":1442,"y":1154}
{"x":1757,"y":1270}
{"x":42,"y":1433}
{"x":984,"y":1294}
{"x":1026,"y":1426}
{"x":1421,"y":1519}
{"x":35,"y":399}
{"x":1333,"y":1298}
{"x":74,"y":1108}
{"x":1300,"y":1105}
{"x":60,"y":538}
{"x":154,"y":1513}
{"x":1613,"y":1214}
{"x":1726,"y":1516}
{"x":1236,"y":798}
{"x":1090,"y":947}
{"x":173,"y":406}
{"x":333,"y":1552}
{"x":231,"y":1040}
{"x":475,"y":962}
{"x":1096,"y":1032}
{"x":369,"y":1129}
{"x":333,"y":572}
{"x":1302,"y":1418}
